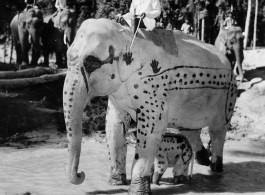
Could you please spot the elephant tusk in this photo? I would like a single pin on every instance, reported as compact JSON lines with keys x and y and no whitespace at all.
{"x":65,"y":39}
{"x":235,"y":68}
{"x":30,"y":39}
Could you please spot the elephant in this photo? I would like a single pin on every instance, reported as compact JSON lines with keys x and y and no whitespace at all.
{"x":191,"y":89}
{"x":58,"y":34}
{"x":26,"y":28}
{"x":173,"y":151}
{"x":230,"y":42}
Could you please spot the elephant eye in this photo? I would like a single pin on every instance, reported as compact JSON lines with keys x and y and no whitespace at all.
{"x":92,"y":63}
{"x":92,"y":60}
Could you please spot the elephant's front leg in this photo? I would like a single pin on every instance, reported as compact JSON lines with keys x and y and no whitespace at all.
{"x":150,"y":128}
{"x":117,"y":147}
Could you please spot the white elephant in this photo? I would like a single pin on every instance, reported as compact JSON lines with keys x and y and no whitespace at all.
{"x":173,"y":151}
{"x":190,"y":89}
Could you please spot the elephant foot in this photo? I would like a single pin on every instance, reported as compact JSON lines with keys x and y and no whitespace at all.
{"x":140,"y":186}
{"x":180,"y":179}
{"x":218,"y":165}
{"x":155,"y":178}
{"x":118,"y":179}
{"x":202,"y":157}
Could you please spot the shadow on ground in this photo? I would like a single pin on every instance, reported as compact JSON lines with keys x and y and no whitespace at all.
{"x":244,"y":177}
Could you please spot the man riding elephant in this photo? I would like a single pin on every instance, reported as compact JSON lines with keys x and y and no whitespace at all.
{"x":26,"y":28}
{"x":59,"y":32}
{"x":146,"y":10}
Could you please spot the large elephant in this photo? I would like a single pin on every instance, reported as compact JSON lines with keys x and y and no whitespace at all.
{"x":58,"y":34}
{"x":230,"y":42}
{"x":190,"y":89}
{"x":26,"y":28}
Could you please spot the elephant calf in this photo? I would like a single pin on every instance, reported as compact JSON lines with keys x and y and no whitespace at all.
{"x":173,"y":151}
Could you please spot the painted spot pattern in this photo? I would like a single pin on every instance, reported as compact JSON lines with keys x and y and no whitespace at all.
{"x":156,"y":88}
{"x":173,"y":151}
{"x":68,"y":104}
{"x":181,"y":78}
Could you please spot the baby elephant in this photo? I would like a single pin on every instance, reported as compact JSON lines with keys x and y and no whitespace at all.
{"x":173,"y":151}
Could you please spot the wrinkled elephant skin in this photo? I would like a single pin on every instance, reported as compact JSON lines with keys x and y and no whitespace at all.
{"x":58,"y":35}
{"x":26,"y":30}
{"x":191,"y":90}
{"x":230,"y":42}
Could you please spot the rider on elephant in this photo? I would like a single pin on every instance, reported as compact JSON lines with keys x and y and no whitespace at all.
{"x":148,"y":10}
{"x":61,"y":4}
{"x":229,"y":21}
{"x":29,"y":3}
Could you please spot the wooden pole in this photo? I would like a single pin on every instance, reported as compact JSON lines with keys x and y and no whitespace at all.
{"x":247,"y":24}
{"x":255,"y":25}
{"x":202,"y":30}
{"x":11,"y":51}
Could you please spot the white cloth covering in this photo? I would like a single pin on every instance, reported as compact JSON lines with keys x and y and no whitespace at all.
{"x":151,"y":8}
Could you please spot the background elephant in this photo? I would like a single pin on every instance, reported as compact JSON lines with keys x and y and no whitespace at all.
{"x":230,"y":42}
{"x":26,"y":29}
{"x":155,"y":88}
{"x":58,"y":34}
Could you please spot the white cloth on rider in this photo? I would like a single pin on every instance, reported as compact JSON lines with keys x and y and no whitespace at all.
{"x":151,"y":8}
{"x":61,"y":4}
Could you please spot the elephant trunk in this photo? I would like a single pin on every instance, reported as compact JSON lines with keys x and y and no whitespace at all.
{"x":74,"y":103}
{"x":238,"y":49}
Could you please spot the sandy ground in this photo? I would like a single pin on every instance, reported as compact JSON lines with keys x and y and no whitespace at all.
{"x":40,"y":170}
{"x":38,"y":167}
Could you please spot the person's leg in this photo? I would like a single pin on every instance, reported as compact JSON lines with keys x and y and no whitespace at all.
{"x":136,"y":22}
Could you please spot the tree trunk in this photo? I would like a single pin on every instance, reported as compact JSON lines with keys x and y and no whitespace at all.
{"x":11,"y":51}
{"x":25,"y":82}
{"x":202,"y":30}
{"x":247,"y":24}
{"x":255,"y":25}
{"x":27,"y":73}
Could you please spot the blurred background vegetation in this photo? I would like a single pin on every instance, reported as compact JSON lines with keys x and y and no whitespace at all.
{"x":178,"y":10}
{"x":108,"y":8}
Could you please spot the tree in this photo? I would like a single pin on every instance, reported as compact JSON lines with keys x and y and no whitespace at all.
{"x":247,"y":24}
{"x":255,"y":25}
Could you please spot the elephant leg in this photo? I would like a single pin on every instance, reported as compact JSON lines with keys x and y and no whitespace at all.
{"x":35,"y":57}
{"x":160,"y":166}
{"x":151,"y":125}
{"x":181,"y":167}
{"x":18,"y":52}
{"x":25,"y":57}
{"x":59,"y":59}
{"x":117,"y":147}
{"x":217,"y":135}
{"x":25,"y":46}
{"x":46,"y":57}
{"x":202,"y":156}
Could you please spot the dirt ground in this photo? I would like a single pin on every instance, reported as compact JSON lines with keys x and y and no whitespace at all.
{"x":45,"y":137}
